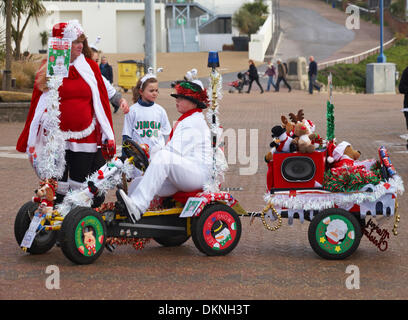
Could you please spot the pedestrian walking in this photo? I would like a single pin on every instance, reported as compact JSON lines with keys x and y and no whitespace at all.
{"x":253,"y":76}
{"x":282,"y":72}
{"x":106,"y":69}
{"x":270,"y":72}
{"x":312,"y":75}
{"x":403,"y":88}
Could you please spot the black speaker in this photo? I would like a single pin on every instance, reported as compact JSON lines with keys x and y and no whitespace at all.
{"x":296,"y":169}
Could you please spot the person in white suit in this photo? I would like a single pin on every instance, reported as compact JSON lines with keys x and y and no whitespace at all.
{"x":185,"y":162}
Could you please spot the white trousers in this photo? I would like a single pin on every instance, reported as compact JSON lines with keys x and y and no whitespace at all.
{"x":167,"y":173}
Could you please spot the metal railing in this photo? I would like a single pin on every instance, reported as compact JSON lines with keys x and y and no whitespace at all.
{"x":357,"y":57}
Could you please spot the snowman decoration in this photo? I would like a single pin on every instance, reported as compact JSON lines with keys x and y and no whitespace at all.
{"x":222,"y":234}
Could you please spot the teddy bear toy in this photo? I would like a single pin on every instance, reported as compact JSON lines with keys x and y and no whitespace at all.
{"x":45,"y":196}
{"x":281,"y":142}
{"x":342,"y":155}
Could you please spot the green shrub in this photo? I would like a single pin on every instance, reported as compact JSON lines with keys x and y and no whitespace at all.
{"x":346,"y":75}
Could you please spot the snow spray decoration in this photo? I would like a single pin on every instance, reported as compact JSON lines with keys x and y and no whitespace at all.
{"x":150,"y":74}
{"x":214,"y":95}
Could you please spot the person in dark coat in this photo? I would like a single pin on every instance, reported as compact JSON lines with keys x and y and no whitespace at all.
{"x":282,"y":72}
{"x":106,"y":69}
{"x":253,"y":76}
{"x":403,"y":88}
{"x":312,"y":75}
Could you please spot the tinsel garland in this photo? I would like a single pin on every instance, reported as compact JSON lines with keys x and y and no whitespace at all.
{"x":105,"y":179}
{"x":219,"y":162}
{"x":200,"y":96}
{"x":325,"y":200}
{"x":51,"y":157}
{"x":349,"y":178}
{"x":330,"y":121}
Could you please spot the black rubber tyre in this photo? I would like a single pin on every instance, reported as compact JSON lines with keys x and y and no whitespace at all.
{"x":172,"y":241}
{"x":82,"y":235}
{"x":44,"y":241}
{"x":216,"y":232}
{"x":334,"y":234}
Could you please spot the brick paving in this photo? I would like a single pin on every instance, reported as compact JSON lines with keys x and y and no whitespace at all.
{"x":265,"y":265}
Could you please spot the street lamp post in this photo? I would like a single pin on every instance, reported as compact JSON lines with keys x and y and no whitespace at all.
{"x":381,"y":58}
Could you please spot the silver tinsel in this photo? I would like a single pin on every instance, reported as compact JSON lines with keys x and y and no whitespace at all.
{"x":51,"y":158}
{"x":220,"y":165}
{"x":105,"y":179}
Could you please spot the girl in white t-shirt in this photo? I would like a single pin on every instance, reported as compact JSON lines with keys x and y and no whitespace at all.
{"x":147,"y":122}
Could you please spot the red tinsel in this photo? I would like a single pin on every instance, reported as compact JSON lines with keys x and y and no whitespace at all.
{"x":200,"y":96}
{"x":137,"y":243}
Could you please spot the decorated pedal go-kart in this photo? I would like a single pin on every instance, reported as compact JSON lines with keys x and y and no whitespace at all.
{"x":321,"y":181}
{"x":85,"y":227}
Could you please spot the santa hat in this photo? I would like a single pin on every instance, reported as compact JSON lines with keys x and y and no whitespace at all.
{"x":310,"y":125}
{"x":336,"y":153}
{"x":70,"y":30}
{"x":193,"y":91}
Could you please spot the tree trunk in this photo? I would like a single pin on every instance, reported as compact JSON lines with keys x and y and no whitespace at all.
{"x":7,"y":71}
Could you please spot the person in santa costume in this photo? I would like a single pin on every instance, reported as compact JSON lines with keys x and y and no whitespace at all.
{"x":185,"y":162}
{"x":85,"y":118}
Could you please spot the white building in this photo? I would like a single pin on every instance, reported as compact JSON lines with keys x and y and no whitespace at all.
{"x":181,"y":25}
{"x":120,"y":24}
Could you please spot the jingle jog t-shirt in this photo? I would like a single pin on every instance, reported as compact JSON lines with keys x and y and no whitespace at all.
{"x":147,"y":123}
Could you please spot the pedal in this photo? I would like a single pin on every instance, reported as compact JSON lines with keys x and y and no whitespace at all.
{"x":110,"y":247}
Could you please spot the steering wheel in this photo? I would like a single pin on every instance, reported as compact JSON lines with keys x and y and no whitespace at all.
{"x":132,"y":149}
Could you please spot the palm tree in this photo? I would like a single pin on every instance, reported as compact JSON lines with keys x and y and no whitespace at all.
{"x":7,"y":71}
{"x":44,"y":40}
{"x":250,"y":17}
{"x":22,"y":12}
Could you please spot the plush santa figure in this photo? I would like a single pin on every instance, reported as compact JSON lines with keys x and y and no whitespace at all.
{"x":342,"y":155}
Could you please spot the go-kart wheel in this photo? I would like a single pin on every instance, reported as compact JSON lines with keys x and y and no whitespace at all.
{"x":334,"y":234}
{"x":44,"y":240}
{"x":83,"y":235}
{"x":174,"y":241}
{"x":217,"y":230}
{"x":132,"y":149}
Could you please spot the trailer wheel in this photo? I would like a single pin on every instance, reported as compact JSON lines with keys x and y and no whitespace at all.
{"x":217,"y":230}
{"x":44,"y":240}
{"x":334,"y":234}
{"x":83,"y":235}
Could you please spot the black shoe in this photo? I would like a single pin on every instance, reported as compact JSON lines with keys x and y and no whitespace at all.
{"x":290,"y":89}
{"x":262,"y":92}
{"x":123,"y":205}
{"x":116,"y":110}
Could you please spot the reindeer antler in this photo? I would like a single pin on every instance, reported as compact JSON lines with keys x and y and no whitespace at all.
{"x":300,"y":115}
{"x":293,"y":117}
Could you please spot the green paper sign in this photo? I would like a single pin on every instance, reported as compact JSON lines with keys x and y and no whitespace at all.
{"x":59,"y":54}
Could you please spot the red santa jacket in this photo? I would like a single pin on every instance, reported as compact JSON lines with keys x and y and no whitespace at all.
{"x":23,"y":139}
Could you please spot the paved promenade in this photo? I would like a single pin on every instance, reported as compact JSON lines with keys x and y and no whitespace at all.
{"x":265,"y":265}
